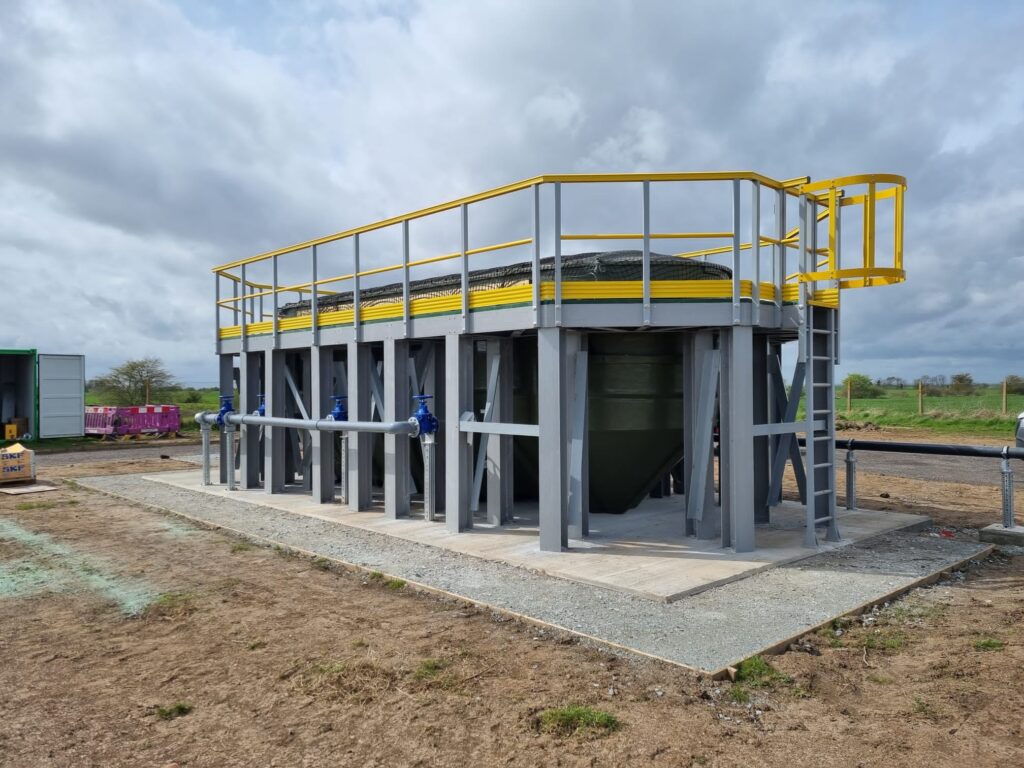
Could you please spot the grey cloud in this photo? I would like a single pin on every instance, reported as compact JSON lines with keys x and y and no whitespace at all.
{"x":148,"y":141}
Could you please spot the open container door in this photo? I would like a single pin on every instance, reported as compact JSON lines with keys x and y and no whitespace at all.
{"x":61,"y":396}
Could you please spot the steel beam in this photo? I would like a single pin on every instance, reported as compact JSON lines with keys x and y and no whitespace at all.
{"x":703,"y":519}
{"x":551,"y":412}
{"x":397,"y":405}
{"x":360,"y":444}
{"x":579,"y":465}
{"x":737,"y":441}
{"x":273,"y":437}
{"x":227,"y":389}
{"x":248,"y":401}
{"x":458,"y":399}
{"x":322,"y":445}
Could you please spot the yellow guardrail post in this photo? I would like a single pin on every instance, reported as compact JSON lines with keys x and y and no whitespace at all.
{"x":535,"y":272}
{"x":736,"y":316}
{"x":646,"y":266}
{"x":357,"y":319}
{"x":405,"y":279}
{"x":558,"y":252}
{"x":755,"y":244}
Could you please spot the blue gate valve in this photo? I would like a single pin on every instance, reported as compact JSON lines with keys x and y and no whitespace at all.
{"x":340,"y":412}
{"x":427,"y":421}
{"x":261,"y":409}
{"x":225,"y":408}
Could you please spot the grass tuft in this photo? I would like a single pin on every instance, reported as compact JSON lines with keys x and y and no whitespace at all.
{"x":322,"y":563}
{"x":240,"y":546}
{"x":738,"y":694}
{"x":988,"y":644}
{"x":576,"y":718}
{"x":177,"y":709}
{"x":26,"y":506}
{"x":756,"y":672}
{"x":394,"y":584}
{"x":429,"y":668}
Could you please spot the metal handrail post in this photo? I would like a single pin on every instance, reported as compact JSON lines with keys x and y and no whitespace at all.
{"x":1007,"y":472}
{"x":851,"y":479}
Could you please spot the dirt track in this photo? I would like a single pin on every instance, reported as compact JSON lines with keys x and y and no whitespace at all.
{"x":283,"y":663}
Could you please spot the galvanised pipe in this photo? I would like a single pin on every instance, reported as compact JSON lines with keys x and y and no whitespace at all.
{"x":409,"y":427}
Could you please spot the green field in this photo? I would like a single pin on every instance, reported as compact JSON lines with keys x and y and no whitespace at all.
{"x":978,"y":414}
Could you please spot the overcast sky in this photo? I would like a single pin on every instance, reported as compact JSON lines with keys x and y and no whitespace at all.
{"x":143,"y":141}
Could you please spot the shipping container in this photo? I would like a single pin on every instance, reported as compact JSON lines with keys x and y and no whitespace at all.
{"x":46,"y":391}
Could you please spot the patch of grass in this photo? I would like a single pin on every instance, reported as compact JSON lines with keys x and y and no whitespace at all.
{"x":832,"y":636}
{"x":285,"y":551}
{"x":739,"y":694}
{"x":171,"y":605}
{"x":357,"y":644}
{"x":577,"y":718}
{"x":26,"y":506}
{"x":177,"y":709}
{"x":429,"y":668}
{"x":394,"y":584}
{"x":322,"y":563}
{"x":881,"y":679}
{"x":376,"y":576}
{"x":255,"y":645}
{"x":922,"y":707}
{"x":988,"y":644}
{"x":882,"y":640}
{"x":906,"y":612}
{"x":756,"y":672}
{"x":240,"y":546}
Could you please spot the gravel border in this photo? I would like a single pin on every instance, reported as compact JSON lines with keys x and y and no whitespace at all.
{"x":708,"y":631}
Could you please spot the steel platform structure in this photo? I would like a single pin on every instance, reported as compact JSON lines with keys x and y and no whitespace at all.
{"x":783,"y":243}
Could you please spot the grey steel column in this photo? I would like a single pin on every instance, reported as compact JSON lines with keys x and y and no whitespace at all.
{"x":577,"y":464}
{"x":273,"y":437}
{"x":761,"y":476}
{"x":322,"y":444}
{"x":227,"y":388}
{"x":397,"y":405}
{"x":458,"y":450}
{"x":702,"y":369}
{"x":737,"y":441}
{"x":360,"y":444}
{"x":552,"y":486}
{"x":499,"y":447}
{"x":433,"y":384}
{"x":248,"y":401}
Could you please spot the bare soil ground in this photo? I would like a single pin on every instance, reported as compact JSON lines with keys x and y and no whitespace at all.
{"x":129,"y":637}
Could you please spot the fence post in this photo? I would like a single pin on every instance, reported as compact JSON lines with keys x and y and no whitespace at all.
{"x":849,"y":393}
{"x":1004,"y":396}
{"x":920,"y":398}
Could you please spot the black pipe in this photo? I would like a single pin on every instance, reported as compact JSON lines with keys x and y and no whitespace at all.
{"x":934,"y":449}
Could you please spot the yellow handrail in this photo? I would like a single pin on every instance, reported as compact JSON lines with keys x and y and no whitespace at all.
{"x":829,"y":195}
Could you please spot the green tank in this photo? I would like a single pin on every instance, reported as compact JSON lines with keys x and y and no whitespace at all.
{"x":635,"y":415}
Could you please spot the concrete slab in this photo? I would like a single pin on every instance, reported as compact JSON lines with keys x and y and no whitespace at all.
{"x":999,"y":534}
{"x":642,"y":552}
{"x":709,"y":631}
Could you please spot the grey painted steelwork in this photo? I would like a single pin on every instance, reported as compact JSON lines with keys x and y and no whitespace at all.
{"x":736,"y":399}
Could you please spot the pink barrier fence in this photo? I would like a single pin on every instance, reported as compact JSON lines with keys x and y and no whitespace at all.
{"x":132,"y":419}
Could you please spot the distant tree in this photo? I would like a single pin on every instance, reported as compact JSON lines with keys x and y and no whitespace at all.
{"x":135,"y":382}
{"x":1015,"y":385}
{"x":861,"y":386}
{"x":934,"y":386}
{"x":962,"y":384}
{"x":894,"y":381}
